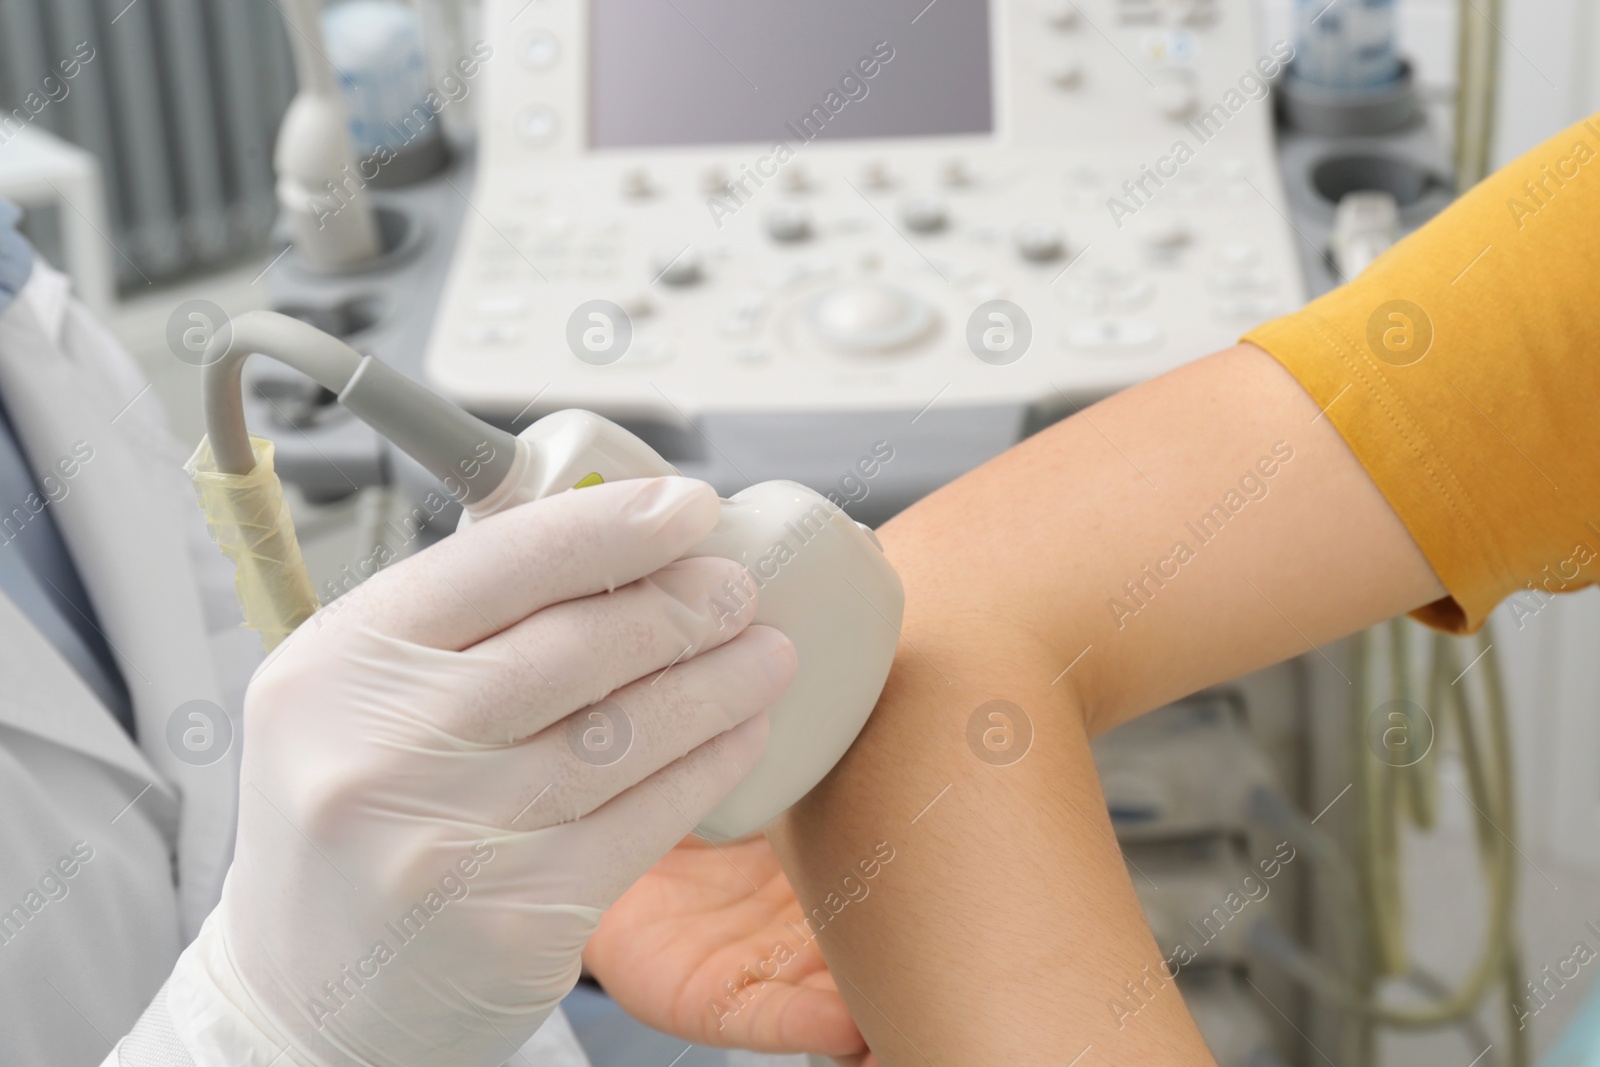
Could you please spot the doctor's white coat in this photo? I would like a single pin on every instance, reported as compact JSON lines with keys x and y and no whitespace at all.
{"x":111,"y":852}
{"x":82,"y":954}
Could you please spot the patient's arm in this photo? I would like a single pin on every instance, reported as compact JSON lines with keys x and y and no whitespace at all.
{"x":1006,"y":923}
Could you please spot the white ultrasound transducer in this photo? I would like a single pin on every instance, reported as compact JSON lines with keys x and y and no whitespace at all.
{"x":822,"y":579}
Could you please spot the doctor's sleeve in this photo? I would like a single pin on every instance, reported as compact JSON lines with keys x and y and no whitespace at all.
{"x":1463,"y":369}
{"x":153,"y":1042}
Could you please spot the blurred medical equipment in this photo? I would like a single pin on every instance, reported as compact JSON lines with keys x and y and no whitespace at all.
{"x":1394,"y":748}
{"x":1346,"y":45}
{"x":181,"y":112}
{"x":806,"y":267}
{"x":315,"y":156}
{"x":1361,"y":166}
{"x":41,"y":173}
{"x":1477,"y":82}
{"x":806,"y":318}
{"x":1200,"y":797}
{"x":178,"y":105}
{"x":1397,"y":780}
{"x":377,"y":48}
{"x":1365,"y":225}
{"x":1178,"y":786}
{"x":1203,"y":803}
{"x":1348,"y":77}
{"x":821,"y":578}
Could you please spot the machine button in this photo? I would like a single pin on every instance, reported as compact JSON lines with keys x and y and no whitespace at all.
{"x":1166,"y":237}
{"x":955,"y":271}
{"x":1238,"y":253}
{"x":646,"y":352}
{"x":868,"y":317}
{"x":714,"y":180}
{"x":1060,"y":14}
{"x":876,"y":175}
{"x":676,"y":265}
{"x":494,"y":334}
{"x":792,"y":274}
{"x":745,"y":316}
{"x":638,"y":305}
{"x":555,"y":226}
{"x":1138,"y":14}
{"x":537,"y":125}
{"x":956,"y":174}
{"x":1113,"y":334}
{"x":637,"y":184}
{"x":1243,"y":280}
{"x":1173,"y":95}
{"x":539,"y":51}
{"x":500,"y":306}
{"x":924,"y":214}
{"x":1104,"y":290}
{"x":797,"y":179}
{"x":1253,"y":308}
{"x":789,"y":223}
{"x":1040,"y":241}
{"x":1234,"y":169}
{"x":1068,"y":75}
{"x":1097,"y":299}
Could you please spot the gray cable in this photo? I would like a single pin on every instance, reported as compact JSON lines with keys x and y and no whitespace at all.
{"x":459,"y":449}
{"x":325,"y":359}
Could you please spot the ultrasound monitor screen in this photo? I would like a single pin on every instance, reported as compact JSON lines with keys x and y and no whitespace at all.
{"x":705,"y":72}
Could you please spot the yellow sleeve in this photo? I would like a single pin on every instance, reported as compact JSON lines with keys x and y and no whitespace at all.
{"x":1463,"y":369}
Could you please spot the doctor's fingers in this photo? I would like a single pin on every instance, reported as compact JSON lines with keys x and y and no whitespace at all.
{"x":582,"y":762}
{"x":574,"y":654}
{"x":595,"y":859}
{"x":499,"y":571}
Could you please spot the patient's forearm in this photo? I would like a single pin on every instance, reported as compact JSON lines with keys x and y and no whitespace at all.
{"x":1006,"y":922}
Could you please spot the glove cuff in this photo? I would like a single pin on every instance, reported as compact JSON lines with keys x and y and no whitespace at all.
{"x":153,"y":1042}
{"x":212,"y":1014}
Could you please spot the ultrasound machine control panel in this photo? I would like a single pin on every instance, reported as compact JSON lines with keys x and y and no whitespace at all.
{"x":789,"y":215}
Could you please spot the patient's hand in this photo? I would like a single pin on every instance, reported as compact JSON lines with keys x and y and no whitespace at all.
{"x":687,"y":948}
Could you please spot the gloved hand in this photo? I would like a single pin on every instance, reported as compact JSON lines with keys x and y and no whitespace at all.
{"x":450,"y":773}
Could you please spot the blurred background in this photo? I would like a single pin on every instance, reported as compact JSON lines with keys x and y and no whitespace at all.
{"x":1441,"y":906}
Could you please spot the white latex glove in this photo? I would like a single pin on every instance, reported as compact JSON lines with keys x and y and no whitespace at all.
{"x":428,"y":832}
